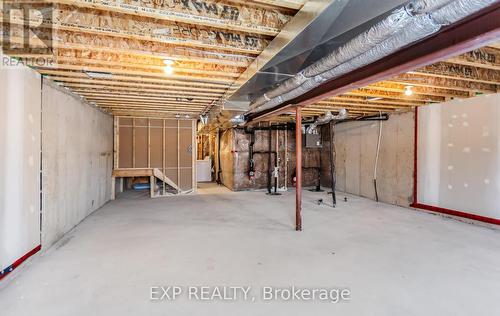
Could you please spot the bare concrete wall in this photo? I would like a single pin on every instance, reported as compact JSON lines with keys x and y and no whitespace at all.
{"x":356,"y":145}
{"x":77,"y":148}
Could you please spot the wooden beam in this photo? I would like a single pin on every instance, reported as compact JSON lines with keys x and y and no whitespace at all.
{"x":181,"y":54}
{"x":145,"y":96}
{"x":211,"y":14}
{"x":179,"y":91}
{"x":396,"y":94}
{"x":459,"y":72}
{"x":116,"y":78}
{"x":86,"y":62}
{"x":241,"y":43}
{"x":442,"y":83}
{"x":109,"y":84}
{"x":142,"y":74}
{"x":423,"y":90}
{"x":485,"y":57}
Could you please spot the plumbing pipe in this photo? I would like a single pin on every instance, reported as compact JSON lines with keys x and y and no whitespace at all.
{"x":269,"y":161}
{"x":219,"y":169}
{"x":332,"y":164}
{"x":376,"y":158}
{"x":286,"y":160}
{"x":277,"y":175}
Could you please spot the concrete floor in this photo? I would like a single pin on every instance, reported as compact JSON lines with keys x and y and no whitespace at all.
{"x":394,"y":261}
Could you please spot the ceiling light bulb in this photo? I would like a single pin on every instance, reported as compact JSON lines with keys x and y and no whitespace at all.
{"x":408,"y":91}
{"x":169,"y":70}
{"x":168,"y":62}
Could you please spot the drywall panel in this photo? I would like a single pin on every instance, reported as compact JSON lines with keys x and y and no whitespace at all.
{"x":459,"y":155}
{"x":356,"y":148}
{"x":77,"y":160}
{"x":19,"y":163}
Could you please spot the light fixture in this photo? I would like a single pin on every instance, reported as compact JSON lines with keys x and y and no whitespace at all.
{"x":373,"y":99}
{"x":408,"y":90}
{"x":186,"y":116}
{"x":98,"y":75}
{"x":169,"y":70}
{"x":177,"y":115}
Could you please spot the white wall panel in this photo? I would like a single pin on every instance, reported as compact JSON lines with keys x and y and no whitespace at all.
{"x":459,"y":155}
{"x":19,"y":163}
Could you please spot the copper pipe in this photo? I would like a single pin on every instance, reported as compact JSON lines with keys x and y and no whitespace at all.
{"x":298,"y":173}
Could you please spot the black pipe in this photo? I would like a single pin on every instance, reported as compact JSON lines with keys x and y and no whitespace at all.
{"x":269,"y":175}
{"x":219,"y":171}
{"x":318,"y":180}
{"x":251,"y":164}
{"x":332,"y":165}
{"x":270,"y":160}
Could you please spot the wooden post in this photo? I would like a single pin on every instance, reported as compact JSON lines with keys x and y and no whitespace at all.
{"x":194,"y":153}
{"x":113,"y":188}
{"x":178,"y":157}
{"x":149,"y":143}
{"x":163,"y":157}
{"x":298,"y":173}
{"x":133,"y":143}
{"x":152,"y":182}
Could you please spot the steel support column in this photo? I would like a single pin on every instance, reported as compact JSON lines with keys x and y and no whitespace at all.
{"x":298,"y":173}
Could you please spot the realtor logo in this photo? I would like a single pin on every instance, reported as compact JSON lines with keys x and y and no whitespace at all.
{"x":26,"y":27}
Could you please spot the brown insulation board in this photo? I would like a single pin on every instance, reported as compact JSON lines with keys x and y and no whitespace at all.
{"x":171,"y":123}
{"x":156,"y":147}
{"x":141,"y":146}
{"x":125,"y":145}
{"x":156,"y":123}
{"x":171,"y":173}
{"x":186,"y":147}
{"x":186,"y":178}
{"x":171,"y":150}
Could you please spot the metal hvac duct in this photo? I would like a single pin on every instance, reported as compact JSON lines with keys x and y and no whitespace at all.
{"x":406,"y":25}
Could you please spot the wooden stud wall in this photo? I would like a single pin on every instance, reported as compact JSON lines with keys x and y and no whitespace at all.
{"x":165,"y":144}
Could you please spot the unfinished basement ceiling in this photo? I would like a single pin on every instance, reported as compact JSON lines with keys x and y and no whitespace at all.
{"x":473,"y":73}
{"x":113,"y":53}
{"x":467,"y":75}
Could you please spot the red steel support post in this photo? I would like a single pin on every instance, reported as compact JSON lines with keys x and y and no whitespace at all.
{"x":298,"y":173}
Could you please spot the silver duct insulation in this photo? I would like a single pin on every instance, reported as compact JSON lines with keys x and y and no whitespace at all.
{"x":426,"y":6}
{"x":457,"y":10}
{"x":327,"y":118}
{"x":361,"y":43}
{"x":404,"y":26}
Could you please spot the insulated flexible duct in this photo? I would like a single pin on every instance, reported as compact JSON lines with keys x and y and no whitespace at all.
{"x":404,"y":26}
{"x":327,"y":118}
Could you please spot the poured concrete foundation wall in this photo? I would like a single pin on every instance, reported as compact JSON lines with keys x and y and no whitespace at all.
{"x":356,"y":146}
{"x":77,"y":161}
